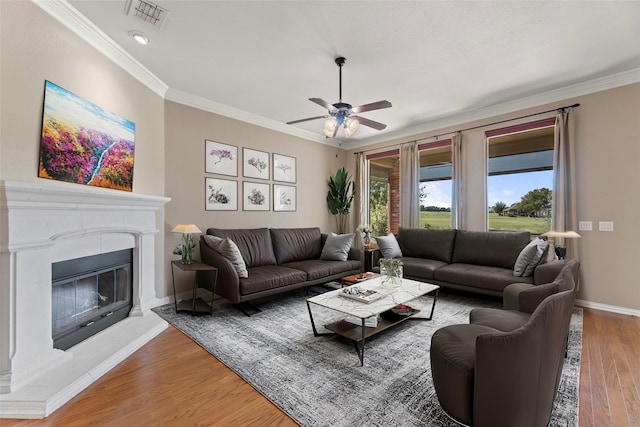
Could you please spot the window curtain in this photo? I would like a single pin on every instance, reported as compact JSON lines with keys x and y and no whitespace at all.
{"x":456,"y":188}
{"x":564,"y":210}
{"x":361,"y":200}
{"x":409,"y":183}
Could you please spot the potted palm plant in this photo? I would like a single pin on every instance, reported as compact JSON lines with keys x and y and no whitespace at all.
{"x":340,"y":196}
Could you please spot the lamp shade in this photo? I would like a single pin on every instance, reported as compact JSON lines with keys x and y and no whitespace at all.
{"x":186,"y":229}
{"x":562,"y":234}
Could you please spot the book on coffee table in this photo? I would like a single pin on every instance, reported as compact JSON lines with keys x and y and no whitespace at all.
{"x":363,"y":295}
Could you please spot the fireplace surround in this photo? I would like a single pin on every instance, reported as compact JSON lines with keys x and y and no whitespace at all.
{"x":43,"y":224}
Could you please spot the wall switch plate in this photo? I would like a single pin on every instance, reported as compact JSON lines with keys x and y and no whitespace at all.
{"x":605,"y":226}
{"x":585,"y":226}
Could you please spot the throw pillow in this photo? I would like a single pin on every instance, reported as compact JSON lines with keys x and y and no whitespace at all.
{"x":229,"y":250}
{"x":337,"y":247}
{"x":213,"y":241}
{"x":389,"y":246}
{"x":529,"y":258}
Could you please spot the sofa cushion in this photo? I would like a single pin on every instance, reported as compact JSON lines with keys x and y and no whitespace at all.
{"x":318,"y":268}
{"x":337,"y":246}
{"x":453,"y":355}
{"x":267,"y":277}
{"x":494,"y":248}
{"x":530,"y":257}
{"x":420,"y":268}
{"x":389,"y":246}
{"x":254,"y":244}
{"x":502,"y":320}
{"x":429,"y":244}
{"x":477,"y":276}
{"x":295,"y":244}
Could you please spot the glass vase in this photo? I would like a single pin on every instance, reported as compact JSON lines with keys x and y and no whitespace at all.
{"x":187,"y":257}
{"x":392,"y":277}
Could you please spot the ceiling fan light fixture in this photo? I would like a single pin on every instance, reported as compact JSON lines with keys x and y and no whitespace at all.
{"x":330,"y":126}
{"x":350,"y":127}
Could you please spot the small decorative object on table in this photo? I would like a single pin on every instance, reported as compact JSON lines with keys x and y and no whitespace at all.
{"x":359,"y":294}
{"x":365,"y":235}
{"x":391,"y":269}
{"x":186,"y":245}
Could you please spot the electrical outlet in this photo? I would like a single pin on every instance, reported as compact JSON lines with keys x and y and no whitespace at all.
{"x":605,"y":226}
{"x":585,"y":226}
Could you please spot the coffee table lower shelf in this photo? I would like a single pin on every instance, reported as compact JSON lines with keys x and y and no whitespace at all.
{"x":354,"y":332}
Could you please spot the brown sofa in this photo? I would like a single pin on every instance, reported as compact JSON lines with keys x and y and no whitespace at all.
{"x":480,"y":262}
{"x":277,"y":260}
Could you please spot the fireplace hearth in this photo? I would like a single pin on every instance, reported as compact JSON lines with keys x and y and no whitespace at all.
{"x":89,"y":294}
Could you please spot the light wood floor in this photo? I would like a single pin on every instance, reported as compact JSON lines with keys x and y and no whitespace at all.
{"x":172,"y":381}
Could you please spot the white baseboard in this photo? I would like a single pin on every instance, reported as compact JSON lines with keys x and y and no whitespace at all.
{"x":607,"y":307}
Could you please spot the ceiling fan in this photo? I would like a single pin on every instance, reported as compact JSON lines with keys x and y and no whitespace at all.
{"x":344,"y":115}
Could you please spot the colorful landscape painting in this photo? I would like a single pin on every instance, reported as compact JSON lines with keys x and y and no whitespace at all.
{"x":84,"y":144}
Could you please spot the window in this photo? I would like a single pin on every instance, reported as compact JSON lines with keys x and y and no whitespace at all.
{"x":520,"y":177}
{"x":384,"y":194}
{"x":435,"y":185}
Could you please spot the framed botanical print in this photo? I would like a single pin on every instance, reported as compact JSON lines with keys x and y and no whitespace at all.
{"x":255,"y":196}
{"x":221,"y":195}
{"x":284,"y":198}
{"x":255,"y":164}
{"x":284,"y":168}
{"x":220,"y":158}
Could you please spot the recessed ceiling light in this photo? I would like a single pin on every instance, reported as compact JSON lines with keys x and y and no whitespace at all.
{"x":139,"y":37}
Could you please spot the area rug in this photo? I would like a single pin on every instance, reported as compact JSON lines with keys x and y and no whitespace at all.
{"x":318,"y":381}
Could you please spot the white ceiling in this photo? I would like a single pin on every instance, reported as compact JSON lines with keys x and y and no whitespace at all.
{"x":437,"y":62}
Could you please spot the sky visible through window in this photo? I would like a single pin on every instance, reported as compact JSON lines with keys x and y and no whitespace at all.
{"x":508,"y":189}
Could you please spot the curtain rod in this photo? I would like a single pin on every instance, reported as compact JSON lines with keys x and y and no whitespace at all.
{"x":559,"y":110}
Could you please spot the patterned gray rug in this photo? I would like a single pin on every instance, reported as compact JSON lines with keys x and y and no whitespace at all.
{"x":318,"y":381}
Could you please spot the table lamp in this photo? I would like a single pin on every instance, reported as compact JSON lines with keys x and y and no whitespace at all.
{"x":560,"y":248}
{"x":186,"y":245}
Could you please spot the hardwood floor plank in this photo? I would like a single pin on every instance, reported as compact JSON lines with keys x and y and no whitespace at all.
{"x":599,"y":396}
{"x":585,"y":408}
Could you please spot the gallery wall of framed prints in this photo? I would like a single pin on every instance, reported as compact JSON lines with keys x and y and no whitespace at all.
{"x":254,"y":193}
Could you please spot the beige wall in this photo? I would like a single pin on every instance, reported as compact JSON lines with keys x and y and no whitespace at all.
{"x":608,"y":176}
{"x":34,"y":48}
{"x":187,"y":128}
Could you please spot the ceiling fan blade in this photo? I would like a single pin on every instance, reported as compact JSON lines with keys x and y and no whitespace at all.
{"x":370,"y":123}
{"x":323,"y":103}
{"x":373,"y":106}
{"x":306,"y":120}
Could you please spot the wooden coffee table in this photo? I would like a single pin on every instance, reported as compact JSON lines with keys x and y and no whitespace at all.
{"x":409,"y":290}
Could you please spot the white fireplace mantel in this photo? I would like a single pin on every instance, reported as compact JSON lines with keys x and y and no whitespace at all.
{"x":45,"y":223}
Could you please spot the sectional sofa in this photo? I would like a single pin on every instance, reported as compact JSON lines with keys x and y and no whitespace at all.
{"x":480,"y":262}
{"x":276,"y":260}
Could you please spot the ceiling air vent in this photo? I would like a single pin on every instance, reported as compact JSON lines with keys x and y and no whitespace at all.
{"x":147,"y":12}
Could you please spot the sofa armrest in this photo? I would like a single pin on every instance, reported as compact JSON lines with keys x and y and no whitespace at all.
{"x":526,"y":297}
{"x":228,"y":282}
{"x":547,"y":272}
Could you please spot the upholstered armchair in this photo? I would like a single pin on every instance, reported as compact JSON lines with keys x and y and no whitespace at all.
{"x":521,"y":299}
{"x":486,"y":377}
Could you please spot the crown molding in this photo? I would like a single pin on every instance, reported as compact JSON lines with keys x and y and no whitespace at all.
{"x":235,"y":113}
{"x":71,"y":18}
{"x":555,"y":95}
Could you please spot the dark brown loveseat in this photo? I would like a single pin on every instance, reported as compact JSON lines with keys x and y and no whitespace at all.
{"x":475,"y":261}
{"x":277,"y":260}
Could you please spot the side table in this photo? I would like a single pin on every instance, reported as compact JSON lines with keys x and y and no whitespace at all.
{"x":368,"y":258}
{"x":194,"y":305}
